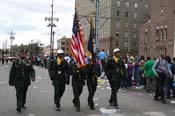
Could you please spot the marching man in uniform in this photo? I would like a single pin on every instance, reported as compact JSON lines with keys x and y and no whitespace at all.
{"x":58,"y":71}
{"x":115,"y":69}
{"x":20,"y":77}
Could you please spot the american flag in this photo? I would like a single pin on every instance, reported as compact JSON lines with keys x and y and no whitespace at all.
{"x":77,"y":41}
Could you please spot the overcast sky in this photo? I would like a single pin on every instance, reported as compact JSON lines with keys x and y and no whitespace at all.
{"x":26,"y":19}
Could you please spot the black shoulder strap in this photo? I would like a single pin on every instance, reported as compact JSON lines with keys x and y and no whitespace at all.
{"x":158,"y":63}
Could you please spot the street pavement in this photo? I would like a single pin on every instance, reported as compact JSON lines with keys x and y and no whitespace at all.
{"x":133,"y":102}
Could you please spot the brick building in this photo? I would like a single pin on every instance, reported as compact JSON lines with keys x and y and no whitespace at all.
{"x":158,"y":34}
{"x":119,"y":22}
{"x":64,"y":43}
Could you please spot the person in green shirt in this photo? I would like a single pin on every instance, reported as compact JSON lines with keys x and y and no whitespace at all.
{"x":149,"y":74}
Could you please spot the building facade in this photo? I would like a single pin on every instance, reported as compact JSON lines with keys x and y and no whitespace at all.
{"x":64,"y":43}
{"x":119,"y":22}
{"x":158,"y":35}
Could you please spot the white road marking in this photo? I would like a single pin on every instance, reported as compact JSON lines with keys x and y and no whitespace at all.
{"x":105,"y":111}
{"x":172,"y":102}
{"x":108,"y":88}
{"x":1,"y":82}
{"x":31,"y":114}
{"x":154,"y":113}
{"x":38,"y":77}
{"x":35,"y":87}
{"x":95,"y":99}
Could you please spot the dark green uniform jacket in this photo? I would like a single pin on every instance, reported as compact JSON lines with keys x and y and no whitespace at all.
{"x":20,"y":73}
{"x":77,"y":75}
{"x":58,"y":73}
{"x":115,"y":71}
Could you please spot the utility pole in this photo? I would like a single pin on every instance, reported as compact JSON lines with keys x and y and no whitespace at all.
{"x":11,"y":42}
{"x":96,"y":25}
{"x":31,"y":53}
{"x":51,"y":25}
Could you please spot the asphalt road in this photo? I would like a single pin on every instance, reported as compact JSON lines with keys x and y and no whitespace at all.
{"x":133,"y":102}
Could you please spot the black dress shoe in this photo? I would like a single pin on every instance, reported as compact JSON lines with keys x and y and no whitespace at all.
{"x":115,"y":107}
{"x":24,"y":107}
{"x":164,"y":101}
{"x":92,"y":108}
{"x":77,"y":109}
{"x":18,"y":110}
{"x":111,"y":104}
{"x":57,"y":109}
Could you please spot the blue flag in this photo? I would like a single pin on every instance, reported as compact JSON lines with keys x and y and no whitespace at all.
{"x":91,"y":42}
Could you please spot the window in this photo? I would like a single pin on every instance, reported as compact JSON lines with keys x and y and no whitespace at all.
{"x":118,"y":3}
{"x":134,"y":35}
{"x":161,"y":34}
{"x":63,"y":48}
{"x":118,"y":13}
{"x":146,"y":5}
{"x":157,"y":33}
{"x":127,"y":4}
{"x":116,"y":43}
{"x":134,"y":44}
{"x":162,"y":10}
{"x":145,"y":51}
{"x":126,"y":34}
{"x":135,"y":25}
{"x":135,"y":15}
{"x":163,"y":50}
{"x":62,"y":43}
{"x":165,"y":33}
{"x":146,"y":36}
{"x":126,"y":24}
{"x":126,"y":14}
{"x":125,"y":44}
{"x":118,"y":24}
{"x":135,"y":5}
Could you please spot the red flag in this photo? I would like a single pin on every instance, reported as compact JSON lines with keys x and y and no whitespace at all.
{"x":77,"y":42}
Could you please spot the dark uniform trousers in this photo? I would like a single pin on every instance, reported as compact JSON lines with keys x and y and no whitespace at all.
{"x":21,"y":96}
{"x":59,"y":91}
{"x":77,"y":86}
{"x":91,"y":74}
{"x":57,"y":73}
{"x":92,"y":86}
{"x":115,"y":85}
{"x":115,"y":72}
{"x":20,"y":74}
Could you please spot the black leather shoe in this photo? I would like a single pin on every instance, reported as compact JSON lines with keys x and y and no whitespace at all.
{"x":18,"y":110}
{"x":92,"y":108}
{"x":111,"y":104}
{"x":57,"y":109}
{"x":24,"y":107}
{"x":164,"y":101}
{"x":115,"y":107}
{"x":77,"y":109}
